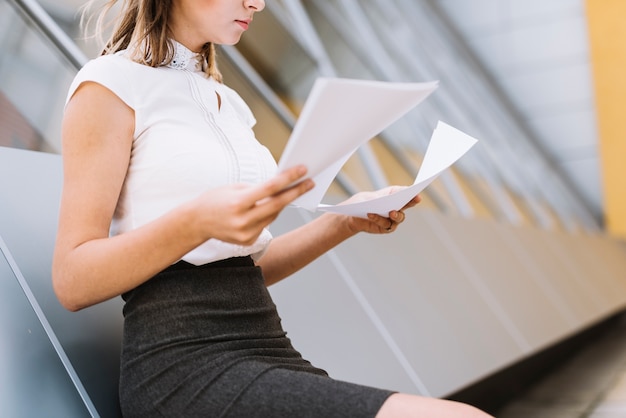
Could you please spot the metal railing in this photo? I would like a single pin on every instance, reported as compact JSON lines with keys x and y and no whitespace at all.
{"x":44,"y":23}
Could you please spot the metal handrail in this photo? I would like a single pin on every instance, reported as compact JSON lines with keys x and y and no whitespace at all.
{"x":43,"y":22}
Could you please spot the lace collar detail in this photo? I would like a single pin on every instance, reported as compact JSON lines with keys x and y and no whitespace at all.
{"x":185,"y":59}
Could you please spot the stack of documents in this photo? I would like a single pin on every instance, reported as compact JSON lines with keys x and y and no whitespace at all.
{"x":340,"y":115}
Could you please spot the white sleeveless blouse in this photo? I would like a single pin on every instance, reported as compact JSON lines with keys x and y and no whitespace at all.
{"x":183,"y":145}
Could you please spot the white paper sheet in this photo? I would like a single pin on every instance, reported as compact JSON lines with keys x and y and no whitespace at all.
{"x":446,"y":146}
{"x":339,"y":116}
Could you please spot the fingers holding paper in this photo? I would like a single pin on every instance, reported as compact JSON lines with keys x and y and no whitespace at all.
{"x":238,"y":213}
{"x":378,"y":223}
{"x":385,"y":225}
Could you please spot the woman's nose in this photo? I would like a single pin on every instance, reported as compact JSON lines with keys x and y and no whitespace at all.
{"x":257,"y":5}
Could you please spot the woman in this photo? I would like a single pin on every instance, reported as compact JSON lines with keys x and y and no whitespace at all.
{"x":166,"y":201}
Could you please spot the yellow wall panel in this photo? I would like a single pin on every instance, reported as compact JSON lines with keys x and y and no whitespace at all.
{"x":607,"y":34}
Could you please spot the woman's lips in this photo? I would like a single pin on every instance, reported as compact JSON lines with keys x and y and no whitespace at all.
{"x":243,"y":23}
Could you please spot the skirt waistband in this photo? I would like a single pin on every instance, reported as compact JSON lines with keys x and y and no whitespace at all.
{"x":228,"y":262}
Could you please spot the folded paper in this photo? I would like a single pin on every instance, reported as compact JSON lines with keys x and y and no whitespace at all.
{"x":446,"y":146}
{"x":339,"y":116}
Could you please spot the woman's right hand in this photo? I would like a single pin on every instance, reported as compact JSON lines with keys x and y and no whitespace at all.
{"x":238,"y":213}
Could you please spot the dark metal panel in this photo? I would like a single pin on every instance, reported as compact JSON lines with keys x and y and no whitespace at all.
{"x":34,"y":381}
{"x":30,"y":189}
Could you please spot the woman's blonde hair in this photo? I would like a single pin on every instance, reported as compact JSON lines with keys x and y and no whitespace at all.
{"x":142,"y":27}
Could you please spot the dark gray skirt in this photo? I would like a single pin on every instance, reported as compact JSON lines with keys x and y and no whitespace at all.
{"x":207,"y":341}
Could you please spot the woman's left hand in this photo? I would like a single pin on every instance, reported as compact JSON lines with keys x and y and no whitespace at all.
{"x":376,"y":224}
{"x":295,"y":249}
